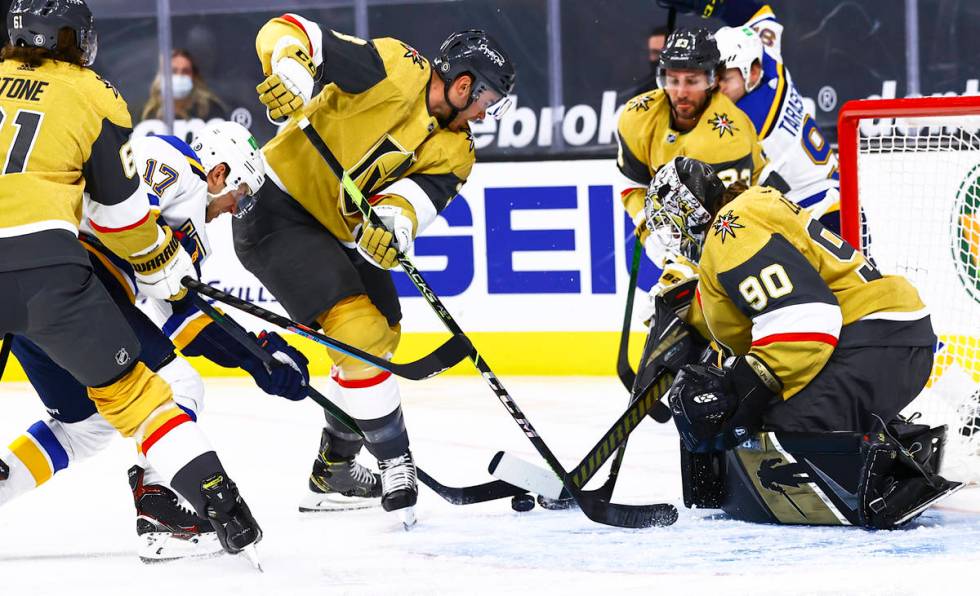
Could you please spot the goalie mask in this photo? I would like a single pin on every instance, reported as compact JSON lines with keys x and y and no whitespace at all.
{"x":680,"y":204}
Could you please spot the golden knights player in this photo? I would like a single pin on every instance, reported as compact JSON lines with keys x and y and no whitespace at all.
{"x":686,"y":116}
{"x":824,"y":352}
{"x":188,"y":187}
{"x":64,"y":145}
{"x":398,"y":123}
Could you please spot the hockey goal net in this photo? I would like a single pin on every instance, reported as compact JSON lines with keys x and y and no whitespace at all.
{"x":910,"y":199}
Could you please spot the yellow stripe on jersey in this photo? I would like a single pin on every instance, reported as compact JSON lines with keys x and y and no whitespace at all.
{"x":197,"y":167}
{"x":191,"y":329}
{"x":777,"y":102}
{"x":113,"y":270}
{"x":764,"y":12}
{"x":33,"y":457}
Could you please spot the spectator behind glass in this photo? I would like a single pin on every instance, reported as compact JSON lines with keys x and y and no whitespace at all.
{"x":194,"y":103}
{"x":648,"y":81}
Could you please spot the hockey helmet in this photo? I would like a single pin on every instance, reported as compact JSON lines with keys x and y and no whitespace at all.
{"x":689,"y":49}
{"x":36,"y":23}
{"x":475,"y":53}
{"x":680,"y":204}
{"x":232,"y":144}
{"x":740,"y":47}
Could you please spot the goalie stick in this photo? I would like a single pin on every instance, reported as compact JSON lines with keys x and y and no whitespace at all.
{"x":445,"y":356}
{"x":598,"y":510}
{"x":456,"y":496}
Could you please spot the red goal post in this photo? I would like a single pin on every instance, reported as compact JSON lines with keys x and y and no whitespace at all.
{"x":848,"y":121}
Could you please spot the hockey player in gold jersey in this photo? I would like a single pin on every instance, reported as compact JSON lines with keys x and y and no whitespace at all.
{"x":64,"y":145}
{"x":687,"y":116}
{"x":398,"y":123}
{"x":818,"y":341}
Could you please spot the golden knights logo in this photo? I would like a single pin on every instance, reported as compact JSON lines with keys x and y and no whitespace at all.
{"x":414,"y":55}
{"x":966,"y":242}
{"x":469,"y":137}
{"x":638,"y":104}
{"x":725,"y":225}
{"x":722,"y":123}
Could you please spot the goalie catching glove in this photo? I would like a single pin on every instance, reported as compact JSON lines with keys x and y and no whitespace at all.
{"x":160,"y":269}
{"x":716,"y":409}
{"x":381,"y":245}
{"x":290,"y":86}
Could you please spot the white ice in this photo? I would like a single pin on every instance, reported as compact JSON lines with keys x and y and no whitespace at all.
{"x":76,"y":535}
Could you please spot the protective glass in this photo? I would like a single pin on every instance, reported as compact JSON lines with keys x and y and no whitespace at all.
{"x":670,"y":79}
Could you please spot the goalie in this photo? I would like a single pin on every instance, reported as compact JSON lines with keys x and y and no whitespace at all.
{"x":801,"y":424}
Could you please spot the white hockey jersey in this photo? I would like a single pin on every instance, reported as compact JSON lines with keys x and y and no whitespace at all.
{"x":789,"y":134}
{"x":175,"y":183}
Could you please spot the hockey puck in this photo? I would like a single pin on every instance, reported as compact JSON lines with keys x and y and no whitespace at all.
{"x":522,"y":503}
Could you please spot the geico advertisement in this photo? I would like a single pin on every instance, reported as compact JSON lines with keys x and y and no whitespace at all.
{"x":525,"y":247}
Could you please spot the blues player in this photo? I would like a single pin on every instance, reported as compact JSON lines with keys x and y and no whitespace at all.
{"x":186,"y":187}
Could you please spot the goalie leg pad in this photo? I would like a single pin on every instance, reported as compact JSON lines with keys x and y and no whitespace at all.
{"x":703,"y":478}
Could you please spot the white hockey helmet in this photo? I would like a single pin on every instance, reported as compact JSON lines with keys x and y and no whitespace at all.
{"x":739,"y":48}
{"x":232,"y":144}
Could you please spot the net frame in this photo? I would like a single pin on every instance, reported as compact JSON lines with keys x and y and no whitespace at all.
{"x":933,"y":128}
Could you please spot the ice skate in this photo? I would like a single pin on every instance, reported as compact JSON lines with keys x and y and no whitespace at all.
{"x":237,"y":530}
{"x":400,"y":487}
{"x":166,"y":530}
{"x":340,"y":483}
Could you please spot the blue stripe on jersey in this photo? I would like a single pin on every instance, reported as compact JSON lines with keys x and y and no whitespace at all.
{"x":177,"y":319}
{"x":189,"y":412}
{"x":43,"y":435}
{"x":758,"y":104}
{"x":812,"y":199}
{"x":187,"y":152}
{"x":154,"y":200}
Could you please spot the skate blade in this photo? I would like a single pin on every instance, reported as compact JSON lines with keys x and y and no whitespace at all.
{"x":407,"y":517}
{"x":160,"y":547}
{"x":252,"y":555}
{"x":326,"y":502}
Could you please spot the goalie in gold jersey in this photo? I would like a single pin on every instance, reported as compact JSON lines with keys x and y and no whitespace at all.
{"x":687,"y":116}
{"x":824,"y":352}
{"x":64,"y":144}
{"x":398,"y":124}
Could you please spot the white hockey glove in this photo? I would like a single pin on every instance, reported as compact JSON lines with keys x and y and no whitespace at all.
{"x":381,"y":246}
{"x":160,"y":269}
{"x":290,"y":86}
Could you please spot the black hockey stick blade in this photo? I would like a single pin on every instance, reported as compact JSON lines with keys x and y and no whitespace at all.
{"x":468,"y":495}
{"x":454,"y":350}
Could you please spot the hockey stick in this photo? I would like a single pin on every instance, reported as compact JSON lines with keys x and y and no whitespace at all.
{"x":8,"y":339}
{"x":454,"y":495}
{"x":453,"y":351}
{"x":598,"y":510}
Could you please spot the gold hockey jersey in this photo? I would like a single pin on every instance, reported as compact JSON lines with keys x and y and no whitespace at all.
{"x":373,"y":113}
{"x":64,"y":131}
{"x":723,"y":137}
{"x":777,"y":284}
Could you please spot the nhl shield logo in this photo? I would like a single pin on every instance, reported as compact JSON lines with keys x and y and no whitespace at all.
{"x":966,"y":241}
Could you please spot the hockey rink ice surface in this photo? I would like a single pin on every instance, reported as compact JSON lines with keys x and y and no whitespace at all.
{"x":76,"y":534}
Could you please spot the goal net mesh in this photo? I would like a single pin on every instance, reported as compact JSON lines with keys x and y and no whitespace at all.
{"x":919,"y":188}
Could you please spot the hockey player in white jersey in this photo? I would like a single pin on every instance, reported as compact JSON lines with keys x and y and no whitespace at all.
{"x":754,"y":77}
{"x":187,"y":187}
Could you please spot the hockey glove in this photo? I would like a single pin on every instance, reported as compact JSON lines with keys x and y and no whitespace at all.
{"x":159,"y":270}
{"x":290,"y":86}
{"x":288,"y":377}
{"x":380,"y":246}
{"x":716,"y":409}
{"x":676,"y":271}
{"x":4,"y":470}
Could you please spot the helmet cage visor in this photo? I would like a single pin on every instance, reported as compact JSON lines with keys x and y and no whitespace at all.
{"x":88,"y":42}
{"x":674,"y":81}
{"x":489,"y":100}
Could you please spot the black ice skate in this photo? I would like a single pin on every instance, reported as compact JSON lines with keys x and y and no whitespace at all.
{"x":237,"y":530}
{"x":340,"y":483}
{"x":399,"y":487}
{"x":166,"y":530}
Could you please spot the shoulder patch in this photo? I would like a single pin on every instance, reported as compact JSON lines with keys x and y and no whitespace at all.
{"x":725,"y":225}
{"x":413,"y":55}
{"x":639,"y":104}
{"x":722,"y":123}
